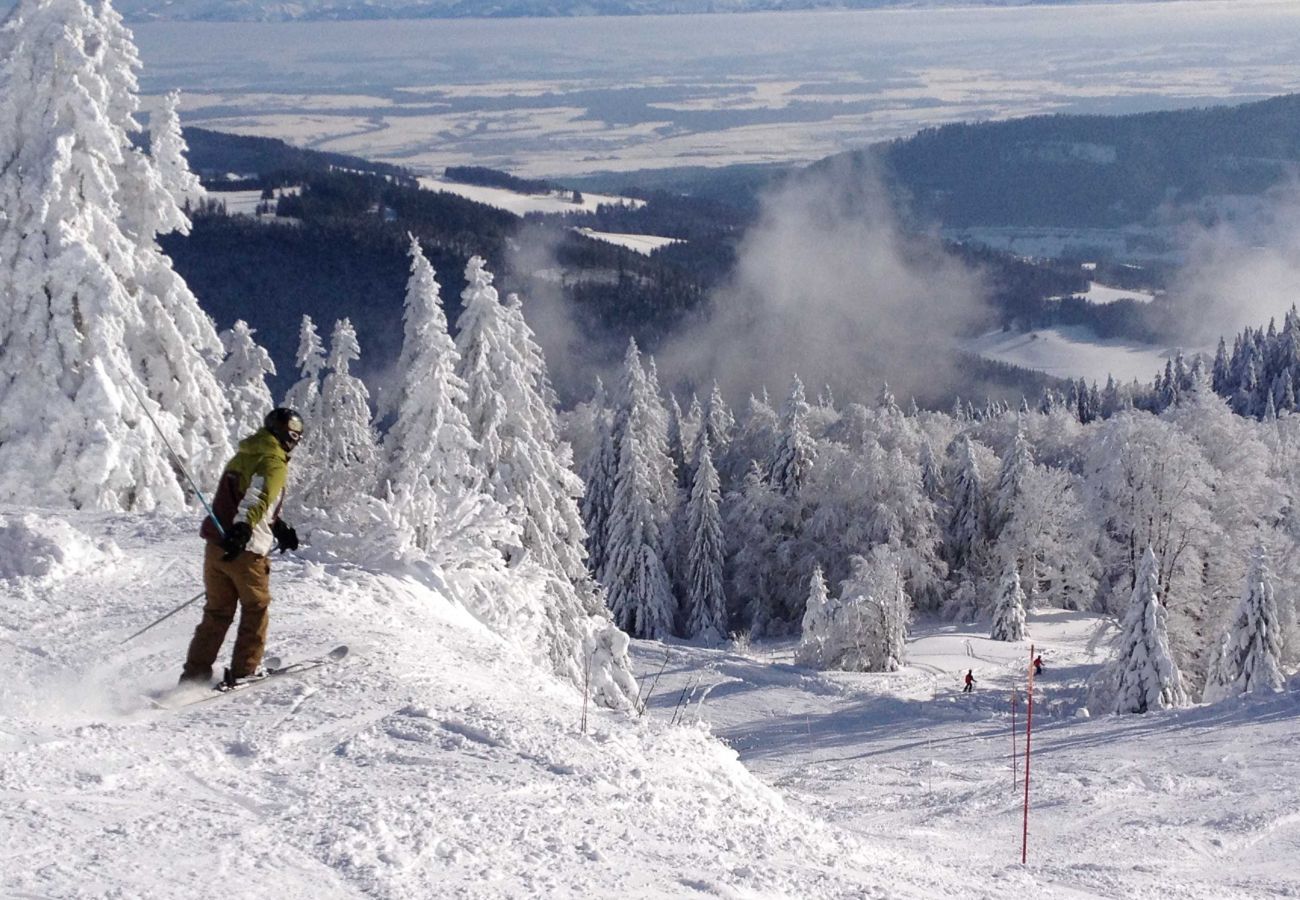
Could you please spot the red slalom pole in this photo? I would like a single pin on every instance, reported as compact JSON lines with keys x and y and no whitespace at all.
{"x":1029,"y":733}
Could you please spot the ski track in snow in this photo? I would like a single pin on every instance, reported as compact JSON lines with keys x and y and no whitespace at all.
{"x":434,"y":762}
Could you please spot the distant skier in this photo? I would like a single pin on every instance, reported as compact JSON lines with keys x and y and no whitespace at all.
{"x":1038,"y":664}
{"x":970,"y":682}
{"x":236,"y":570}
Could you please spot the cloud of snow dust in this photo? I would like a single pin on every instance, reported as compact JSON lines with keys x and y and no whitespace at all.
{"x":828,"y":286}
{"x":548,"y":312}
{"x":1243,"y":270}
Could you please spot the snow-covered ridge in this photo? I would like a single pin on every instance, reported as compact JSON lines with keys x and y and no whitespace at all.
{"x":433,"y":761}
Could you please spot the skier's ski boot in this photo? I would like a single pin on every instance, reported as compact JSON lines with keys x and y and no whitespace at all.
{"x":230,"y":682}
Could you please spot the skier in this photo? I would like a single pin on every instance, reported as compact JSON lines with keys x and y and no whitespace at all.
{"x":236,"y":570}
{"x":970,"y":681}
{"x":1038,"y":664}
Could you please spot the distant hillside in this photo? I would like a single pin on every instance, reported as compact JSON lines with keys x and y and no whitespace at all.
{"x":307,"y":10}
{"x":1090,"y":171}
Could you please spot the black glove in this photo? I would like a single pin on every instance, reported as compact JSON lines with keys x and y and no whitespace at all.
{"x":285,"y":535}
{"x":236,"y":539}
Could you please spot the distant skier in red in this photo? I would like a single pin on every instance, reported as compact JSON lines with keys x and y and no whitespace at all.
{"x":1038,"y":664}
{"x":970,"y":681}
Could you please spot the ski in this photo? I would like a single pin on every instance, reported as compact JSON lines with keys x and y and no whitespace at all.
{"x":274,"y":669}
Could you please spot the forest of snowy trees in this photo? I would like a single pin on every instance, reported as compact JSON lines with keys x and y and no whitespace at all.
{"x":1166,"y":507}
{"x":838,"y":523}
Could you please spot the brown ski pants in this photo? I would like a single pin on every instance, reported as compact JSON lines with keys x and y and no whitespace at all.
{"x":243,"y":582}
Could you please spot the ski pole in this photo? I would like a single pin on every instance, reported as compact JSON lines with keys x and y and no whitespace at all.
{"x":164,"y":618}
{"x":180,"y":465}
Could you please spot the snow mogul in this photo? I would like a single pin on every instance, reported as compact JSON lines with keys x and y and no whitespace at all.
{"x":236,"y":563}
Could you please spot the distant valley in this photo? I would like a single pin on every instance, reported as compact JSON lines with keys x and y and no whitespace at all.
{"x":351,"y":10}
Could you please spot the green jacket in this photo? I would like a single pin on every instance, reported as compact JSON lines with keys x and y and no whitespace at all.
{"x":251,"y":490}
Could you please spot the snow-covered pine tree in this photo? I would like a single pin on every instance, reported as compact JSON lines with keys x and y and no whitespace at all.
{"x":598,"y":499}
{"x":1250,"y":656}
{"x":677,"y":446}
{"x":428,"y":448}
{"x":706,"y":602}
{"x":968,"y":519}
{"x":1016,"y":464}
{"x":84,"y":329}
{"x":1148,"y":678}
{"x":509,"y":404}
{"x":168,"y":149}
{"x":816,"y":622}
{"x":175,"y":343}
{"x":638,"y":592}
{"x":792,"y":457}
{"x":718,"y":420}
{"x":347,"y":447}
{"x":243,"y":375}
{"x":304,"y":397}
{"x":1009,"y":613}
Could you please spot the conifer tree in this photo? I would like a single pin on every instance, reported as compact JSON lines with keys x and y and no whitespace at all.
{"x":792,"y":458}
{"x":706,"y":602}
{"x":243,"y":376}
{"x":718,"y":421}
{"x":598,"y":498}
{"x":639,"y":590}
{"x":168,"y":149}
{"x":1009,"y":613}
{"x":94,"y":320}
{"x":310,"y":360}
{"x":968,"y":522}
{"x":428,"y":449}
{"x":347,"y":447}
{"x":1006,"y":497}
{"x":1250,"y":656}
{"x":509,"y":404}
{"x":1148,"y":677}
{"x":816,"y":623}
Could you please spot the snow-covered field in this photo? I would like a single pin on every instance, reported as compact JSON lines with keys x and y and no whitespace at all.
{"x":1101,"y":294}
{"x":1073,"y":351}
{"x":521,"y":204}
{"x":641,"y":243}
{"x":432,"y":762}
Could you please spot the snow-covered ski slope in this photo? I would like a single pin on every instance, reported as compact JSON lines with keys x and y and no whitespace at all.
{"x":433,"y":762}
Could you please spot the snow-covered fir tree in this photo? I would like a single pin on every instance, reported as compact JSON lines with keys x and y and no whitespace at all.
{"x":706,"y":602}
{"x":793,"y":456}
{"x":428,"y":449}
{"x":1250,"y":656}
{"x":599,"y":476}
{"x":509,"y":405}
{"x":169,"y":151}
{"x":243,"y":375}
{"x":1148,"y":678}
{"x":94,"y":320}
{"x":816,"y":620}
{"x":968,"y":518}
{"x":1007,"y":495}
{"x":1009,"y":611}
{"x":637,"y":583}
{"x":347,"y":447}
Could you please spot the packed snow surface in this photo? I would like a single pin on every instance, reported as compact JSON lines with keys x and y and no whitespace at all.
{"x":433,"y":762}
{"x":1073,"y":351}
